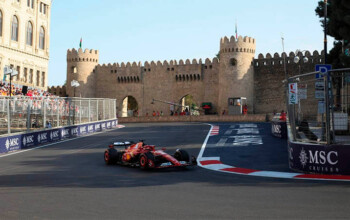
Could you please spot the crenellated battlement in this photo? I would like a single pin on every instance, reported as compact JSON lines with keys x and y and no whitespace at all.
{"x":241,"y":44}
{"x":79,"y":55}
{"x":158,"y":64}
{"x":57,"y":90}
{"x":268,"y":59}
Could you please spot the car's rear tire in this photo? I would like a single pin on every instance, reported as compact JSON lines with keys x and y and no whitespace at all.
{"x":182,"y":155}
{"x":111,"y":156}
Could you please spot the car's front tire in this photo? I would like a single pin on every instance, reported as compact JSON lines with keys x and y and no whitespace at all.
{"x":182,"y":155}
{"x":147,"y":161}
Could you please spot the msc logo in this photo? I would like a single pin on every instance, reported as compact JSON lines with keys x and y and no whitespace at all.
{"x":13,"y":142}
{"x":318,"y":157}
{"x":65,"y":132}
{"x":83,"y":129}
{"x":97,"y":127}
{"x":54,"y":135}
{"x":28,"y":140}
{"x":42,"y":137}
{"x":74,"y":131}
{"x":276,"y":129}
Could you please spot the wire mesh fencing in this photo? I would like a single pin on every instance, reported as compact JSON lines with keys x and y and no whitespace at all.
{"x":19,"y":114}
{"x":319,"y":107}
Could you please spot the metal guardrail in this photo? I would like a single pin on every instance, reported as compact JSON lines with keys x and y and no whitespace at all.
{"x":23,"y":113}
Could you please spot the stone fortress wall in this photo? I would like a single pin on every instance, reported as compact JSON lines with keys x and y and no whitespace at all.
{"x":269,"y":73}
{"x":236,"y":74}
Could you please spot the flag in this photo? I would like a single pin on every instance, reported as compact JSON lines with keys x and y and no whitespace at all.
{"x":236,"y":30}
{"x":81,"y":42}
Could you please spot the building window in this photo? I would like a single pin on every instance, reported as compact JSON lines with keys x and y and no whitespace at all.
{"x":233,"y":62}
{"x":18,"y":77}
{"x":37,"y":78}
{"x":42,"y":38}
{"x":30,"y":34}
{"x":30,"y":3}
{"x":25,"y":75}
{"x":31,"y":76}
{"x":14,"y":29}
{"x":43,"y":79}
{"x":0,"y":23}
{"x":43,"y":8}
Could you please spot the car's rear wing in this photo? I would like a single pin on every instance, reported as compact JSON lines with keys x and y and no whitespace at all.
{"x":122,"y":144}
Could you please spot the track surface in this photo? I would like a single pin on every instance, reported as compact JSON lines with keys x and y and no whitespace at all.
{"x":70,"y":181}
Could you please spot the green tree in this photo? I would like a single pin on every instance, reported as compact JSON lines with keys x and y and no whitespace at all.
{"x":338,"y":26}
{"x":218,"y":55}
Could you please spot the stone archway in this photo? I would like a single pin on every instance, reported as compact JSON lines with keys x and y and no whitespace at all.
{"x":188,"y":104}
{"x":129,"y":107}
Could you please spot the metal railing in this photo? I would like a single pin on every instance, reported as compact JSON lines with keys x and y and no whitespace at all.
{"x":23,"y":113}
{"x":321,"y":114}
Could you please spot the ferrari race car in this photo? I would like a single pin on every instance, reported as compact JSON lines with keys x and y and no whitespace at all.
{"x":146,"y":156}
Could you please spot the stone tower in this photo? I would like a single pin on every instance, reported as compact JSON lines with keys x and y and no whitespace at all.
{"x":236,"y":71}
{"x":80,"y":67}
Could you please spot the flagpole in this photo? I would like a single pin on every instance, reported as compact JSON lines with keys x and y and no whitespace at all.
{"x":236,"y":29}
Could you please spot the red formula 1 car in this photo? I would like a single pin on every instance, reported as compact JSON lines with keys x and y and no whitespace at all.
{"x":146,"y":156}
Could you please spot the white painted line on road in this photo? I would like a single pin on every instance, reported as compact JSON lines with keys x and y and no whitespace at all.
{"x":221,"y":142}
{"x":228,"y":132}
{"x":204,"y":144}
{"x":59,"y":142}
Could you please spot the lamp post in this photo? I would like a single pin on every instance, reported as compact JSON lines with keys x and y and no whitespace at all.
{"x":297,"y":60}
{"x":74,"y":84}
{"x":9,"y":71}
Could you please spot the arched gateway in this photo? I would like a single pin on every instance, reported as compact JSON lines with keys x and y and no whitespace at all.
{"x":129,"y":107}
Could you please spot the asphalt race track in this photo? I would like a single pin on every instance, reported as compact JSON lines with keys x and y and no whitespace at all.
{"x":69,"y":180}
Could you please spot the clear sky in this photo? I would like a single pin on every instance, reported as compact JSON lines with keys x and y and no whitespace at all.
{"x":152,"y":30}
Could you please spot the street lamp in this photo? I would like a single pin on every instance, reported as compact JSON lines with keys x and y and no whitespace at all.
{"x":9,"y":71}
{"x":298,"y":58}
{"x":74,"y":84}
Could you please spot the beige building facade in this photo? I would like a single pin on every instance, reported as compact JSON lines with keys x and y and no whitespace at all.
{"x":24,"y":40}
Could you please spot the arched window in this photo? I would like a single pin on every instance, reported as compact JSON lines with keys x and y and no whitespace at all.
{"x":30,"y":34}
{"x":42,"y":38}
{"x":14,"y":28}
{"x":233,"y":62}
{"x":0,"y":23}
